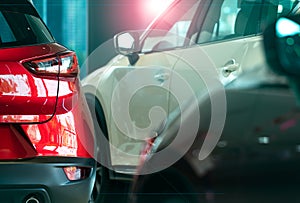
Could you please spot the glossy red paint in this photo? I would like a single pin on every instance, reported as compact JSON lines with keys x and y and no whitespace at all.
{"x":68,"y":133}
{"x":14,"y":145}
{"x":29,"y":52}
{"x":45,"y":131}
{"x":48,"y":106}
{"x":23,"y":95}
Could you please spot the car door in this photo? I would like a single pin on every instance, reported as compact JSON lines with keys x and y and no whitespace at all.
{"x":136,"y":99}
{"x":211,"y":45}
{"x":214,"y":58}
{"x":229,"y":34}
{"x":225,"y":44}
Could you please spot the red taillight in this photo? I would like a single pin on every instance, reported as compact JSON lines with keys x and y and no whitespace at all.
{"x":77,"y":172}
{"x":64,"y":64}
{"x":69,"y":64}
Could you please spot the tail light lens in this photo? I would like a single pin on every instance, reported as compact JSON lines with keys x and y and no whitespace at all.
{"x":77,"y":172}
{"x":64,"y":64}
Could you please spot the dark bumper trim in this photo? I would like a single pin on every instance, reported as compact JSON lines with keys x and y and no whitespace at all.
{"x":44,"y":178}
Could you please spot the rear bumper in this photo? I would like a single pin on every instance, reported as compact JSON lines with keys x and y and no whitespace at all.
{"x":44,"y":179}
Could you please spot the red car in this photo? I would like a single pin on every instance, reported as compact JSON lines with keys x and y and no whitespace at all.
{"x":47,"y":146}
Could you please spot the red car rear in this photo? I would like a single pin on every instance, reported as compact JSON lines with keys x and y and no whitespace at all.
{"x":46,"y":141}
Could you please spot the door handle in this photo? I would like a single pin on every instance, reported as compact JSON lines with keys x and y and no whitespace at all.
{"x":161,"y":77}
{"x":230,"y":67}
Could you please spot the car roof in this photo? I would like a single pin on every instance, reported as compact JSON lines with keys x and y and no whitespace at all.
{"x":23,"y":6}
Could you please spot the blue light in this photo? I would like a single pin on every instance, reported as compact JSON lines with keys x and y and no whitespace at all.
{"x":286,"y":27}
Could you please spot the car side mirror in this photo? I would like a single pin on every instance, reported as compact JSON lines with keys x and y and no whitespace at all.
{"x":282,"y":49}
{"x":128,"y":44}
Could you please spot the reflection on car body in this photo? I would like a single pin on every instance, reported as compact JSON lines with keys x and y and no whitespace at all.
{"x":46,"y":148}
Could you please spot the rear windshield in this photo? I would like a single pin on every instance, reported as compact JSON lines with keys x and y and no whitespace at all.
{"x":20,"y":25}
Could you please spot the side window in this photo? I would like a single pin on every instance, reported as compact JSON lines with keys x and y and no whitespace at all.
{"x":180,"y":28}
{"x":219,"y":21}
{"x":19,"y":28}
{"x":226,"y":24}
{"x":171,"y":30}
{"x":237,"y":18}
{"x":6,"y":34}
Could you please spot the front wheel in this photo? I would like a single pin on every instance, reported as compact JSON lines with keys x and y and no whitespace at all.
{"x":105,"y":189}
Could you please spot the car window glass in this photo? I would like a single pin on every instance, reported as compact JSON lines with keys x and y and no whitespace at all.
{"x":218,"y":16}
{"x":39,"y":29}
{"x":171,"y":30}
{"x":237,"y":18}
{"x":228,"y":15}
{"x":229,"y":19}
{"x":180,"y":28}
{"x":18,"y":29}
{"x":5,"y":31}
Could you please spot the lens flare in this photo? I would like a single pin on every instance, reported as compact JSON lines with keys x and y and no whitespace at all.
{"x":155,"y":7}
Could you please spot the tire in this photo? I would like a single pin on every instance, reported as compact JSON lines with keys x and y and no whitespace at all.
{"x":105,"y":190}
{"x":99,"y":123}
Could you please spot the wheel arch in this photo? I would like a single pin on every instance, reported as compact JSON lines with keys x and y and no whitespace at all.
{"x":97,"y":112}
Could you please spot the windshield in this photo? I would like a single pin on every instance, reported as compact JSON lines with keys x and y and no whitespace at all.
{"x":171,"y":30}
{"x":19,"y":28}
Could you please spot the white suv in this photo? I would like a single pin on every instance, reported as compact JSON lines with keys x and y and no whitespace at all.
{"x":191,"y":51}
